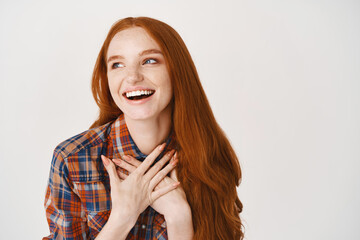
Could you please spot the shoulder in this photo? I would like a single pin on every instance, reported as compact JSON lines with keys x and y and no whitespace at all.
{"x":78,"y":157}
{"x":87,"y":139}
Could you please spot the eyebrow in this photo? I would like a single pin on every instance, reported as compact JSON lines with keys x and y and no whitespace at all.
{"x":148,"y":51}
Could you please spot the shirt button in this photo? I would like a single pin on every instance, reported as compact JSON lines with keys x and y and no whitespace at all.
{"x":143,"y":226}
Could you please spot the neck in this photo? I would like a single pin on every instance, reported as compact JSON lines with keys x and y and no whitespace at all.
{"x":149,"y":133}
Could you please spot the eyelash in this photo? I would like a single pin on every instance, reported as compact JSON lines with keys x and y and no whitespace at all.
{"x":151,"y":59}
{"x":156,"y":61}
{"x":113,"y":65}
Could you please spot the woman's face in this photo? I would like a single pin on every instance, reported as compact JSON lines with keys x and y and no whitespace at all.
{"x":138,"y":78}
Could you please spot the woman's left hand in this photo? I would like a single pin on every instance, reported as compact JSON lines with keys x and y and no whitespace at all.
{"x":170,"y":204}
{"x":173,"y":205}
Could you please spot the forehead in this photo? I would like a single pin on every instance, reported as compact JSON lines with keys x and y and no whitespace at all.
{"x":130,"y":40}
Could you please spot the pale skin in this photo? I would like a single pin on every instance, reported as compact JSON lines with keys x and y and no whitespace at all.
{"x":149,"y":123}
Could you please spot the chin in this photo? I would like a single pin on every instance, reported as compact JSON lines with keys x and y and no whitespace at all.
{"x":138,"y":115}
{"x":146,"y":112}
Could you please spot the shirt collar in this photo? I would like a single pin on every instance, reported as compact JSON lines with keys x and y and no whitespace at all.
{"x":124,"y":144}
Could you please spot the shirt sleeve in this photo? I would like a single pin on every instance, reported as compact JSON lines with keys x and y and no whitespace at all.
{"x":63,"y":207}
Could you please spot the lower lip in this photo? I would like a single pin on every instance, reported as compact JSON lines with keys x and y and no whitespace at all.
{"x":139,"y":101}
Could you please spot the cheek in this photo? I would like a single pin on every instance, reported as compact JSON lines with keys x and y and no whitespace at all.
{"x":169,"y":88}
{"x":113,"y":86}
{"x":114,"y":94}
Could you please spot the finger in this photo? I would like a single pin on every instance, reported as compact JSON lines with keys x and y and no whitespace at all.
{"x":166,"y":180}
{"x":161,"y":175}
{"x":149,"y":159}
{"x":156,"y":168}
{"x":123,"y":164}
{"x":121,"y":174}
{"x":173,"y":173}
{"x":133,"y":161}
{"x":161,"y":191}
{"x":110,"y":168}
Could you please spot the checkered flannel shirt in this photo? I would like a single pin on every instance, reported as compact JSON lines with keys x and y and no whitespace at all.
{"x":77,"y":200}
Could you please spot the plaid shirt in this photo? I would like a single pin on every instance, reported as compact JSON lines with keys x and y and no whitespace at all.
{"x":78,"y":200}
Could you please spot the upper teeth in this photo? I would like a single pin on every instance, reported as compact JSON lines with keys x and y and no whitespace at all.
{"x":139,"y":93}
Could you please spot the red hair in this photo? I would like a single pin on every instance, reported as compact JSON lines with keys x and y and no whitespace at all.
{"x":208,"y":167}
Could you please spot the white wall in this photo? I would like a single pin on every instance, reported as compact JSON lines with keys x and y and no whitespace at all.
{"x":282,"y":77}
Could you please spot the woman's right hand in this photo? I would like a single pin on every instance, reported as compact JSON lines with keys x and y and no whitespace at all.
{"x":132,"y":196}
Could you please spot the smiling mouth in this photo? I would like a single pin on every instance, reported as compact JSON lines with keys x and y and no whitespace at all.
{"x":138,"y":94}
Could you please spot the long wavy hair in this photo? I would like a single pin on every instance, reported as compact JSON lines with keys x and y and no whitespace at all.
{"x":208,"y":167}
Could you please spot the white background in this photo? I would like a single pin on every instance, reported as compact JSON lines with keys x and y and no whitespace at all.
{"x":282,"y":77}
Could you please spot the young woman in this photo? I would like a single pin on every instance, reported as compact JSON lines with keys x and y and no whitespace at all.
{"x":155,"y":164}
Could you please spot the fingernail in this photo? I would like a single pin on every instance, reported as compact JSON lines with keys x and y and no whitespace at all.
{"x":162,"y":146}
{"x":105,"y":160}
{"x":170,"y":153}
{"x":174,"y":163}
{"x":175,"y":155}
{"x":176,"y":184}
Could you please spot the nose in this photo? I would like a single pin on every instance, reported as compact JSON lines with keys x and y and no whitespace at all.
{"x":133,"y":74}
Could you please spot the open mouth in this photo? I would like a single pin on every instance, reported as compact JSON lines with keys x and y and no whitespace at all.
{"x":138,"y":94}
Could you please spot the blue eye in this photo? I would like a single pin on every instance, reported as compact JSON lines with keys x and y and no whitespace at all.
{"x":150,"y":59}
{"x":116,"y":65}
